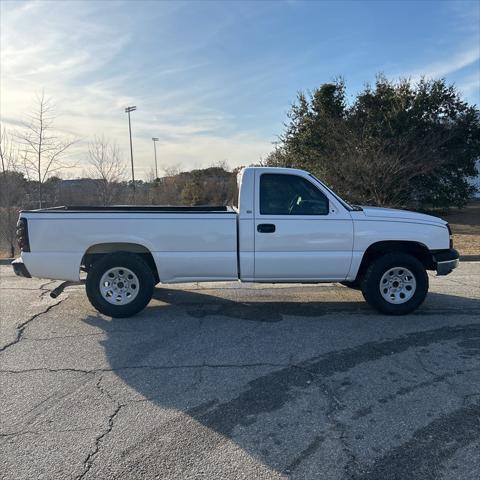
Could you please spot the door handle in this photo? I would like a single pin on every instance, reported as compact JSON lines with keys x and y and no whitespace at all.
{"x":265,"y":228}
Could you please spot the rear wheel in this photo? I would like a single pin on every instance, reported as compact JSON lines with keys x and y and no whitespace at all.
{"x":120,"y":284}
{"x":395,"y":284}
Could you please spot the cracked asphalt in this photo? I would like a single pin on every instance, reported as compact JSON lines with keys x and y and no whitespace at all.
{"x":229,"y":381}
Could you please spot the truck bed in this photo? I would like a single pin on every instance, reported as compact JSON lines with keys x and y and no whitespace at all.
{"x":186,"y":243}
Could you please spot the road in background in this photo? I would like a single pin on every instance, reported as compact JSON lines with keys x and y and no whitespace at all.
{"x":240,"y":382}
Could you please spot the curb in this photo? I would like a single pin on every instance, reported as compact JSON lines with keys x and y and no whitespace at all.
{"x":470,"y":258}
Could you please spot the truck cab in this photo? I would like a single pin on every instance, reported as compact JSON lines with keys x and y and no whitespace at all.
{"x":291,"y":228}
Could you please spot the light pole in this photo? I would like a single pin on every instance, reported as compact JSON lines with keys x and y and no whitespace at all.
{"x":155,"y":140}
{"x":128,"y":110}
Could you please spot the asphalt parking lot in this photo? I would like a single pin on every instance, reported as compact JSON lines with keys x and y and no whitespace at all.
{"x":232,"y":381}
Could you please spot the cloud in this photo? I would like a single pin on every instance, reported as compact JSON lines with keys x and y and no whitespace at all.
{"x":81,"y":56}
{"x":462,"y":67}
{"x":457,"y":54}
{"x":449,"y":65}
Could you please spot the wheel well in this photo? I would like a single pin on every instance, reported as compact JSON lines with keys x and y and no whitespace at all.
{"x":418,"y":250}
{"x":95,"y":252}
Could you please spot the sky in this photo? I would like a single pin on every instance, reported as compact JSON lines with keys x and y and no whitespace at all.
{"x":214,"y":80}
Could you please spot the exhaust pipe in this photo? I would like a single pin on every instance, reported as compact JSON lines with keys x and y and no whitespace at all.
{"x":58,"y":290}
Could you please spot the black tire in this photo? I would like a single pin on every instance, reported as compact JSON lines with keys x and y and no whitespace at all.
{"x":355,"y":285}
{"x":130,"y":261}
{"x":374,"y":273}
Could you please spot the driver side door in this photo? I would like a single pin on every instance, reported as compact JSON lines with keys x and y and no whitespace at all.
{"x":301,"y":232}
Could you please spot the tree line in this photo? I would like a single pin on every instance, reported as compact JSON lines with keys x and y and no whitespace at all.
{"x":396,"y":143}
{"x":400,"y":144}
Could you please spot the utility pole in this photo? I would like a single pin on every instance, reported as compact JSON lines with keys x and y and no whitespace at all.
{"x":128,"y":110}
{"x":155,"y":140}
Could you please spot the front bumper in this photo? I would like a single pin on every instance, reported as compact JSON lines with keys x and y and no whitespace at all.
{"x":445,"y":260}
{"x":20,"y":269}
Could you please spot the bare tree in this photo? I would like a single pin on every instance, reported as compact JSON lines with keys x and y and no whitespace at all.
{"x":11,"y":190}
{"x":172,"y":171}
{"x":8,"y":153}
{"x":44,"y":148}
{"x":106,"y":166}
{"x":151,"y":177}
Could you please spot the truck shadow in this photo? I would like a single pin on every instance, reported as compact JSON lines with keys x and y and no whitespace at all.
{"x":250,"y":386}
{"x":255,"y":305}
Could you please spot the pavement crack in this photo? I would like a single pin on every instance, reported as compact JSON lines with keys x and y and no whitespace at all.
{"x":16,"y":289}
{"x":340,"y":428}
{"x":103,"y":390}
{"x":41,"y":432}
{"x":89,"y":461}
{"x":423,"y":366}
{"x":334,"y":406}
{"x":61,"y":337}
{"x":445,"y":377}
{"x":54,"y":370}
{"x":21,"y":328}
{"x":147,"y":367}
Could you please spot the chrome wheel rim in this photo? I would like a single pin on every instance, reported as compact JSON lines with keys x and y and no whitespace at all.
{"x":119,"y":286}
{"x":398,"y":285}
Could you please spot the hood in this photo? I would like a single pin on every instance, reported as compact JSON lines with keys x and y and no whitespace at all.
{"x":394,"y":214}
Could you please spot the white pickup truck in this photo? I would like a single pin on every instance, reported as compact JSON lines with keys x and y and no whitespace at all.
{"x":288,"y":227}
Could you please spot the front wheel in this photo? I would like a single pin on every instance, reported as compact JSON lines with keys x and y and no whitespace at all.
{"x":395,"y":284}
{"x":120,"y":284}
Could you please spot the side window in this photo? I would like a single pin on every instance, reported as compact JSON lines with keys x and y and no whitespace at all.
{"x":290,"y":195}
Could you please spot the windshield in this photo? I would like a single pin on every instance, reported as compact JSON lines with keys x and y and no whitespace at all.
{"x":349,"y":207}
